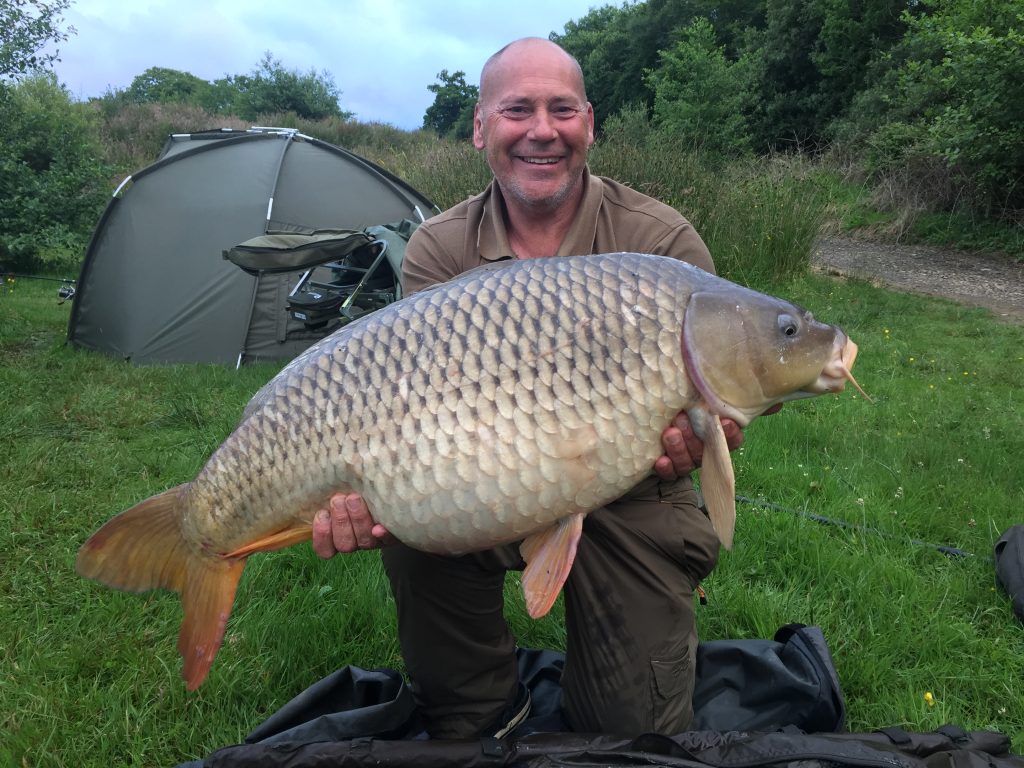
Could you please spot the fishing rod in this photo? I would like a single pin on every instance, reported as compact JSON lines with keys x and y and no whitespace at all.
{"x":943,"y":548}
{"x":4,"y":275}
{"x":65,"y":292}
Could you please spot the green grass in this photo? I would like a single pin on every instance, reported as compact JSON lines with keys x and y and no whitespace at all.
{"x":89,"y":676}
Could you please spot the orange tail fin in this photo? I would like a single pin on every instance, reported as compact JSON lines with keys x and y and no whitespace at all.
{"x":143,"y":549}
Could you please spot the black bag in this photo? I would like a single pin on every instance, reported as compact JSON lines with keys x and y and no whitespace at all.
{"x":765,"y":685}
{"x":1009,"y":552}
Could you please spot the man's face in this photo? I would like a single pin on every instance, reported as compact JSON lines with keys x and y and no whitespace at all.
{"x":534,"y":124}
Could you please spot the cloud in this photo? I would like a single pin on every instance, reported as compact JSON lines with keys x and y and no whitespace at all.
{"x":382,"y":54}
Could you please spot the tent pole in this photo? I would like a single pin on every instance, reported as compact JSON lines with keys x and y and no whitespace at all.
{"x":248,"y":322}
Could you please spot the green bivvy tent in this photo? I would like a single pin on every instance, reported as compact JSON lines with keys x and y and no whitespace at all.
{"x":208,"y":254}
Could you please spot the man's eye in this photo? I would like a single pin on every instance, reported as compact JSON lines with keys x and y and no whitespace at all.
{"x":516,"y":113}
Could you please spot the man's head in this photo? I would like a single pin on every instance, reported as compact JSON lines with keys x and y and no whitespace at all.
{"x":534,"y":123}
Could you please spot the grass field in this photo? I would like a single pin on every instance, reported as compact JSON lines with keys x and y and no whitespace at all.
{"x":89,"y":676}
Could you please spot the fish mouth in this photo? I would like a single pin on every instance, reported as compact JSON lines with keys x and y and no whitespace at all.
{"x":837,"y":372}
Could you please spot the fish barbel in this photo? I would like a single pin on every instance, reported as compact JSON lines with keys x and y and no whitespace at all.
{"x":502,"y":405}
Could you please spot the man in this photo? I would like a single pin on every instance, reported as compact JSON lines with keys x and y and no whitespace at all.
{"x":631,"y":636}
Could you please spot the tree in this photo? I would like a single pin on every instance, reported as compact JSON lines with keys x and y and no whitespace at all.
{"x":699,"y":95}
{"x":615,"y":46}
{"x":163,"y":85}
{"x":26,"y":26}
{"x":853,"y":36}
{"x":451,"y":114}
{"x":272,"y":88}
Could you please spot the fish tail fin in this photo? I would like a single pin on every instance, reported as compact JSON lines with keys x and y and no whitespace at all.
{"x":207,"y":600}
{"x":142,"y":549}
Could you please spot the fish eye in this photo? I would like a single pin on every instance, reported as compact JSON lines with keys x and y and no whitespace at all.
{"x":788,"y":325}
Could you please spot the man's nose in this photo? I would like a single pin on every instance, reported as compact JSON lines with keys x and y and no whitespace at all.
{"x":542,"y":125}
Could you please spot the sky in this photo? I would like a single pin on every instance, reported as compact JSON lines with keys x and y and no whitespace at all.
{"x":382,"y":54}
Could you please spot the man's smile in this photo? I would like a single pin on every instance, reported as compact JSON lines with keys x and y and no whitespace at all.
{"x":538,"y":160}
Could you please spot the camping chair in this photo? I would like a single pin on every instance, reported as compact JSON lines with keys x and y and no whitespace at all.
{"x":359,"y":283}
{"x":344,"y":274}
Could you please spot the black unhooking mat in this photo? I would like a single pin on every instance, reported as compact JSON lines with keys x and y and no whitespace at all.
{"x":756,"y":702}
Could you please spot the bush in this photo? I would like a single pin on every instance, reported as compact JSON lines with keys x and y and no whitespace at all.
{"x":950,"y":94}
{"x":53,"y":185}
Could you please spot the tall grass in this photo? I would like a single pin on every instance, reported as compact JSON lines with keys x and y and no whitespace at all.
{"x":759,"y":217}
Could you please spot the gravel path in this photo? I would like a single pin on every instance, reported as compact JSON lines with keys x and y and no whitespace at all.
{"x":994,"y":282}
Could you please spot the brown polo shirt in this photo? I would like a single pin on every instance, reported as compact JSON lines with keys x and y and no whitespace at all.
{"x":612,"y":218}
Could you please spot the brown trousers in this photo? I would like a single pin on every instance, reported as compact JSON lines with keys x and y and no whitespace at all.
{"x":629,"y":613}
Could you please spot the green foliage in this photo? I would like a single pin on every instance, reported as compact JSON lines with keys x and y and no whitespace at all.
{"x":927,"y":96}
{"x":699,"y":96}
{"x":805,"y":59}
{"x":784,"y":114}
{"x":272,"y":88}
{"x":614,"y":47}
{"x":758,"y":216}
{"x":976,"y":119}
{"x":26,"y":27}
{"x":949,"y":98}
{"x":451,"y":114}
{"x":852,"y":36}
{"x":762,"y":219}
{"x":268,"y":89}
{"x":446,"y":171}
{"x":634,"y":152}
{"x":814,"y":57}
{"x":163,"y":85}
{"x":53,"y":182}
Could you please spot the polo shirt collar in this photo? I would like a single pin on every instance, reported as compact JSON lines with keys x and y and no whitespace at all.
{"x":492,"y":236}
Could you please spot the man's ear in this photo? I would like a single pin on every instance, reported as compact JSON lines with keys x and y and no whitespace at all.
{"x":590,"y":123}
{"x":478,"y":127}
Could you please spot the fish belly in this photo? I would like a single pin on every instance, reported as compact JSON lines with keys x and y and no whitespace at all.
{"x":469,"y":414}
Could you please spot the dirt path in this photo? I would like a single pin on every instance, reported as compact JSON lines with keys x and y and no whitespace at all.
{"x":983,"y":280}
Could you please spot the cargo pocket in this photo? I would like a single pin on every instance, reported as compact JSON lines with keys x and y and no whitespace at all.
{"x":672,"y":694}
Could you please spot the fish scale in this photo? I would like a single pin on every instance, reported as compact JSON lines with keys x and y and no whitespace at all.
{"x":502,"y":405}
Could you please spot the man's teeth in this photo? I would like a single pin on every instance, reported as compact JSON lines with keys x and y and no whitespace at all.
{"x":541,"y":160}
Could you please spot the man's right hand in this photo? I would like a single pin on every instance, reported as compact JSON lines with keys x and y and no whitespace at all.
{"x":346,"y":527}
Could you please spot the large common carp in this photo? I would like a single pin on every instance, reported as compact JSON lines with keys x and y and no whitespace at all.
{"x":502,"y":405}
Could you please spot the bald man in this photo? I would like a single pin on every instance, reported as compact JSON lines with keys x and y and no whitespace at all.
{"x":631,"y":634}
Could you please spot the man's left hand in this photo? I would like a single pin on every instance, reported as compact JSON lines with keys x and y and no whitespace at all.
{"x":684,"y":450}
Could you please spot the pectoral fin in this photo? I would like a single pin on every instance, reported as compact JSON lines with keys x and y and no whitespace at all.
{"x":296,"y":534}
{"x":717,"y":481}
{"x":549,"y":555}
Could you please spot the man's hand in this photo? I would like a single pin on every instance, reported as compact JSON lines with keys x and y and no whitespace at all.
{"x":684,"y":450}
{"x":346,"y":527}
